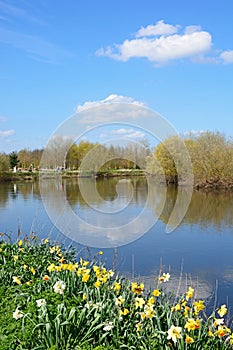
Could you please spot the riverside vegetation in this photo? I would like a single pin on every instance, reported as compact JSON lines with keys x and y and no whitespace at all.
{"x":52,"y":298}
{"x":211,"y":156}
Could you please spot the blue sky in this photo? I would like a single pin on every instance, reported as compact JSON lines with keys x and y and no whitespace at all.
{"x":176,"y":57}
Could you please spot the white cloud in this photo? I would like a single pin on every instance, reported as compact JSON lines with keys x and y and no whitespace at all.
{"x":113,"y":98}
{"x":128,"y":133}
{"x":6,"y":133}
{"x":160,"y":28}
{"x":227,"y":56}
{"x":162,"y":42}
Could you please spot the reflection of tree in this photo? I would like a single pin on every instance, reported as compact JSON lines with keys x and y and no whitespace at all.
{"x":206,"y":208}
{"x":4,"y":195}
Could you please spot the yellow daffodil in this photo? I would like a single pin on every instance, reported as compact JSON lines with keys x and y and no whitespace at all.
{"x":189,"y":293}
{"x":16,"y":280}
{"x":222,"y":311}
{"x":222,"y":331}
{"x":198,"y":306}
{"x":100,"y":252}
{"x":177,"y":307}
{"x":33,"y":271}
{"x":188,"y":340}
{"x":174,"y":333}
{"x":97,"y":284}
{"x":150,"y":301}
{"x":123,"y":312}
{"x":156,"y":293}
{"x":51,"y":267}
{"x":85,"y":277}
{"x":15,"y":257}
{"x":138,"y":327}
{"x":117,"y":286}
{"x":46,"y":278}
{"x":20,"y":243}
{"x":84,"y":296}
{"x":137,"y":288}
{"x":192,"y":324}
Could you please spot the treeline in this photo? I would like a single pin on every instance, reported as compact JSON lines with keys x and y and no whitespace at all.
{"x":211,"y":156}
{"x":93,"y":156}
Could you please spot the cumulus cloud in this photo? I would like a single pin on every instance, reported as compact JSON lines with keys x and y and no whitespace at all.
{"x":128,"y":133}
{"x":227,"y":56}
{"x":160,"y":28}
{"x":163,"y":42}
{"x":113,"y":98}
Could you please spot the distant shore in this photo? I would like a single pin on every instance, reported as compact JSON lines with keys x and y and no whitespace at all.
{"x":207,"y":185}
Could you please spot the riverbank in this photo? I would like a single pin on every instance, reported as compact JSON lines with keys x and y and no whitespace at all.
{"x":52,"y":298}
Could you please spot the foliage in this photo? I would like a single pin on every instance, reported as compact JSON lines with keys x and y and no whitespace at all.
{"x":13,"y":160}
{"x":53,"y":299}
{"x":211,"y":156}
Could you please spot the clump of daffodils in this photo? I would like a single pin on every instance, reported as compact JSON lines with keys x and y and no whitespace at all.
{"x":117,"y":311}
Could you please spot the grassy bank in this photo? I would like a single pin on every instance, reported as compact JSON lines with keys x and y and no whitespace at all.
{"x":53,"y":299}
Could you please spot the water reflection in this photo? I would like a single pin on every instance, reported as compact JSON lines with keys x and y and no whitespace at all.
{"x":206,"y":208}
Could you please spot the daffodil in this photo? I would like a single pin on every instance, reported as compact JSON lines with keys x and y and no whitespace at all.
{"x":119,"y":301}
{"x":137,"y":288}
{"x":177,"y":307}
{"x":33,"y":271}
{"x":192,"y":324}
{"x":97,"y":284}
{"x":156,"y":293}
{"x":189,"y":293}
{"x":17,"y":314}
{"x":117,"y":286}
{"x":20,"y":243}
{"x":124,"y":312}
{"x":139,"y":302}
{"x":16,"y":279}
{"x":85,"y":277}
{"x":198,"y":306}
{"x":165,"y":277}
{"x":41,"y":302}
{"x":46,"y":278}
{"x":222,"y":311}
{"x":222,"y":331}
{"x":138,"y":326}
{"x":174,"y":333}
{"x":218,"y":322}
{"x":108,"y":327}
{"x":188,"y":340}
{"x":59,"y":287}
{"x":15,"y":257}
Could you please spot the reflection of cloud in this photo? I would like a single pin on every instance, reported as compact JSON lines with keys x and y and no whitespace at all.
{"x":162,"y":42}
{"x":180,"y":284}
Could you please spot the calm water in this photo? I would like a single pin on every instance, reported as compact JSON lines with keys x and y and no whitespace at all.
{"x":198,"y":252}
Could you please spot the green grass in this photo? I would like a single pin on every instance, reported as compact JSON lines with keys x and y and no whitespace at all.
{"x":53,"y":299}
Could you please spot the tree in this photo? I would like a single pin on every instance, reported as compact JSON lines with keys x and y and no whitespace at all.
{"x":13,"y":160}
